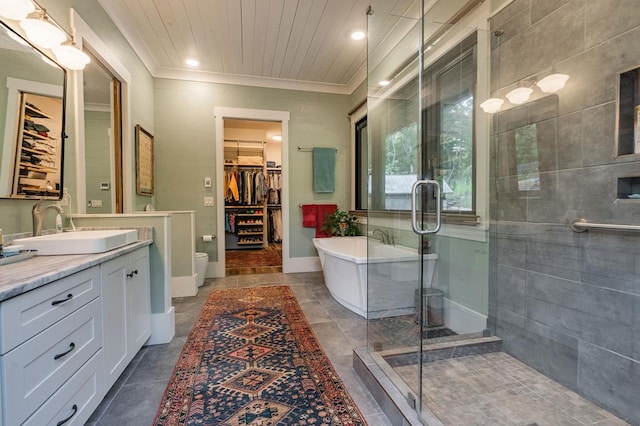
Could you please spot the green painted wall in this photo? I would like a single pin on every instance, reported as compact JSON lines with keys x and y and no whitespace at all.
{"x":98,"y":169}
{"x":463,"y":271}
{"x":185,"y":148}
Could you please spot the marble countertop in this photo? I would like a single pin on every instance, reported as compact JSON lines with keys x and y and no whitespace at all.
{"x":20,"y":277}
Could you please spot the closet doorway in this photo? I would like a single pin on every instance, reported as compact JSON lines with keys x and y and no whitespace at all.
{"x":252,"y":187}
{"x":253,"y":235}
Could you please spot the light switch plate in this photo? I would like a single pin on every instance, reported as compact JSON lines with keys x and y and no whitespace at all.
{"x":208,"y":201}
{"x":207,"y":182}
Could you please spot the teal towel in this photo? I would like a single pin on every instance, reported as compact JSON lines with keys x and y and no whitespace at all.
{"x":324,"y":169}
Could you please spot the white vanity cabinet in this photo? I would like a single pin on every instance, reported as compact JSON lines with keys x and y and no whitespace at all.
{"x":126,"y":307}
{"x":48,"y":335}
{"x":64,"y":342}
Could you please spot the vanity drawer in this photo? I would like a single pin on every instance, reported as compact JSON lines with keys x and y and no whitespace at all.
{"x":75,"y":400}
{"x":38,"y":367}
{"x":26,"y":315}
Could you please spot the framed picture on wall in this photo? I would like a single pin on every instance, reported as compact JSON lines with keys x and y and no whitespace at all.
{"x":144,"y":161}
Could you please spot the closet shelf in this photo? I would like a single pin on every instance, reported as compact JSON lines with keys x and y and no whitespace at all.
{"x":34,"y":113}
{"x":244,"y":207}
{"x":36,"y":135}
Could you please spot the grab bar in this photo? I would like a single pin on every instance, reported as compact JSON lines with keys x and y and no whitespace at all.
{"x":581,"y":225}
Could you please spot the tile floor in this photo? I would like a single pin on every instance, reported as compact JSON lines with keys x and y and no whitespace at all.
{"x":134,"y":398}
{"x":490,"y":389}
{"x":497,"y":389}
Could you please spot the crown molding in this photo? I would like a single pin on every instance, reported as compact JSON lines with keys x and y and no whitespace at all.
{"x":247,"y":80}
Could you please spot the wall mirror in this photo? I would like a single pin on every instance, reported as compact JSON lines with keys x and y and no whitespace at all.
{"x":102,"y":138}
{"x":528,"y":147}
{"x":32,"y":105}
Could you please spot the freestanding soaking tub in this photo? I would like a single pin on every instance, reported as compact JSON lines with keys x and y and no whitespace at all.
{"x":388,"y":273}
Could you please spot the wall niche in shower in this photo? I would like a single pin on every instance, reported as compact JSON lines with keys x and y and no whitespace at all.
{"x":629,"y":113}
{"x":629,"y":188}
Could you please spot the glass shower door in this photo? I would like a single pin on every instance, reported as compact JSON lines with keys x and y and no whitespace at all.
{"x":394,"y":152}
{"x":427,"y":289}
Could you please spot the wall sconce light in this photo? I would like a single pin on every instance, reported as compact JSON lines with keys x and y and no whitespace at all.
{"x":277,"y":138}
{"x":519,"y":95}
{"x":492,"y":105}
{"x":41,"y":32}
{"x":16,"y":9}
{"x":45,"y":33}
{"x":552,"y":83}
{"x":70,"y":56}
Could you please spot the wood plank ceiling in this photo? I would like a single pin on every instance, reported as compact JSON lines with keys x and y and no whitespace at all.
{"x":264,"y":42}
{"x":295,"y":44}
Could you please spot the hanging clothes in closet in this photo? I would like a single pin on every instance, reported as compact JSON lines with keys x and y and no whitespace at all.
{"x":245,"y":187}
{"x":275,"y":225}
{"x":274,"y":183}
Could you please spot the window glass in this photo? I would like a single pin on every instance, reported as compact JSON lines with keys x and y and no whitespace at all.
{"x":401,"y":167}
{"x":448,"y":126}
{"x":423,"y":129}
{"x":456,"y":155}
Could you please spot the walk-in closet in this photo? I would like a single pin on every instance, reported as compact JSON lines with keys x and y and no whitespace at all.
{"x":252,"y":188}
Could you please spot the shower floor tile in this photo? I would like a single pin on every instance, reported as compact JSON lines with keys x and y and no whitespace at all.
{"x":497,"y":389}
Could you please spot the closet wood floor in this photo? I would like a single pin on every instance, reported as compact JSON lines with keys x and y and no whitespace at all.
{"x":259,"y":261}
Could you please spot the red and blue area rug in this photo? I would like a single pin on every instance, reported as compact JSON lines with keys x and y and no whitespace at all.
{"x":252,"y":359}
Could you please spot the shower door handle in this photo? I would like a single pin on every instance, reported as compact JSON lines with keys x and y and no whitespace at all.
{"x":414,"y":207}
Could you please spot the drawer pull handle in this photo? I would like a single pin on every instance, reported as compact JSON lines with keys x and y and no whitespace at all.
{"x":72,"y":346}
{"x":132,"y":273}
{"x":57,"y":302}
{"x":75,"y":410}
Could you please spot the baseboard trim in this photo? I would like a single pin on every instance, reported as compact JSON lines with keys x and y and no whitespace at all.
{"x":461,"y":319}
{"x":163,"y":327}
{"x":184,"y":286}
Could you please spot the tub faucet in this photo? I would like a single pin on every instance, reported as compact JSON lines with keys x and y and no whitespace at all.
{"x":384,"y":236}
{"x":39,"y":214}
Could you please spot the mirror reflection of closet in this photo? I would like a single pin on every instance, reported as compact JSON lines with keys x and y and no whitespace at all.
{"x":103,"y":138}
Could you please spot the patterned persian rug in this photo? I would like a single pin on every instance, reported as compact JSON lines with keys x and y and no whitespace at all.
{"x":252,"y":359}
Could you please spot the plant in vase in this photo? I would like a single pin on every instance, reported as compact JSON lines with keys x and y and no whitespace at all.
{"x":341,"y":224}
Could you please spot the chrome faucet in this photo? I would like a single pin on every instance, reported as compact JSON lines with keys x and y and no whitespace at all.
{"x":39,"y":214}
{"x":384,"y":236}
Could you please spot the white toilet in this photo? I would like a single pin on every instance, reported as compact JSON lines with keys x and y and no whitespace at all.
{"x":202,"y":260}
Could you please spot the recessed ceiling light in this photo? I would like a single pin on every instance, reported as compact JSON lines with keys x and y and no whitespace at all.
{"x":192,"y":62}
{"x":358,"y":35}
{"x":384,"y":82}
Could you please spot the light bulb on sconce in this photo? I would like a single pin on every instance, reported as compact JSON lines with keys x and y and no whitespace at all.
{"x":552,"y":83}
{"x":492,"y":105}
{"x":70,"y":56}
{"x":16,"y":9}
{"x":519,"y":95}
{"x":41,"y":32}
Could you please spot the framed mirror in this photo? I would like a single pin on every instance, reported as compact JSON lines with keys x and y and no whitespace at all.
{"x":32,"y":106}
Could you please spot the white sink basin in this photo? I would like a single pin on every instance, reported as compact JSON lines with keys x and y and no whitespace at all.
{"x":79,"y":242}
